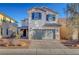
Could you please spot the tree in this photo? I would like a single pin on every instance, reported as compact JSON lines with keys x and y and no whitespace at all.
{"x":72,"y":11}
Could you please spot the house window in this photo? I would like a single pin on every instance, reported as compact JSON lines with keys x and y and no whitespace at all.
{"x":7,"y":31}
{"x":36,"y":16}
{"x":50,"y":17}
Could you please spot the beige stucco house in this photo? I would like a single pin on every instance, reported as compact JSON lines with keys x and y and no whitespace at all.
{"x":43,"y":24}
{"x":8,"y":26}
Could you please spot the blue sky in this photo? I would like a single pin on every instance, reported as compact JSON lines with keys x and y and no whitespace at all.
{"x":18,"y":11}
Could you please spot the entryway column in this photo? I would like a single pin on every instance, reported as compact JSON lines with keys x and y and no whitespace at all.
{"x":29,"y":35}
{"x":58,"y":34}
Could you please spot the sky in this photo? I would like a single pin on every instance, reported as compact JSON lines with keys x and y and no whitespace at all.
{"x":18,"y":11}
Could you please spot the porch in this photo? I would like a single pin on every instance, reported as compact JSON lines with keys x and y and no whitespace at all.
{"x":23,"y":32}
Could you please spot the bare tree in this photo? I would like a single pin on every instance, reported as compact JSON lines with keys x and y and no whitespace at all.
{"x":72,"y":12}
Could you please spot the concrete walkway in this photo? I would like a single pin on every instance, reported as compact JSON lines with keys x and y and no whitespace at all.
{"x":41,"y":47}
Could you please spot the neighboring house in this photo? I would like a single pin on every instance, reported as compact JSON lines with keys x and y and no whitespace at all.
{"x":24,"y":29}
{"x":8,"y":26}
{"x":43,"y":24}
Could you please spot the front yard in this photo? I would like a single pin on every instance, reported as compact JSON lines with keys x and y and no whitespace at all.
{"x":12,"y":43}
{"x":36,"y":47}
{"x":39,"y":44}
{"x":31,"y":44}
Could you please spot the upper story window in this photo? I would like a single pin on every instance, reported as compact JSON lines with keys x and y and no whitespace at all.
{"x":50,"y":17}
{"x":36,"y":16}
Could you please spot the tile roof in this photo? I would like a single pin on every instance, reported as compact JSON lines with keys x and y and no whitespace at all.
{"x":53,"y":24}
{"x":43,"y":9}
{"x":23,"y":27}
{"x":7,"y":16}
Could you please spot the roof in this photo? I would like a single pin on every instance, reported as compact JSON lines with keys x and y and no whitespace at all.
{"x":47,"y":9}
{"x":53,"y":24}
{"x":43,"y":9}
{"x":7,"y":16}
{"x":25,"y":19}
{"x":14,"y":24}
{"x":23,"y":27}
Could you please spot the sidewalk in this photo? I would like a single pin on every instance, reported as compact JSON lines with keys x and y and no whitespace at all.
{"x":39,"y":51}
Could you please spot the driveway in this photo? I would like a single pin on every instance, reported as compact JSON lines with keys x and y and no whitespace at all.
{"x":47,"y":44}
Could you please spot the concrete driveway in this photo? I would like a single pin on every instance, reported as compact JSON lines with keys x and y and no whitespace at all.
{"x":47,"y":44}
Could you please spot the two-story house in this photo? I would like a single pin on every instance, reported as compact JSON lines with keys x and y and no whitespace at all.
{"x":8,"y":26}
{"x":43,"y":24}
